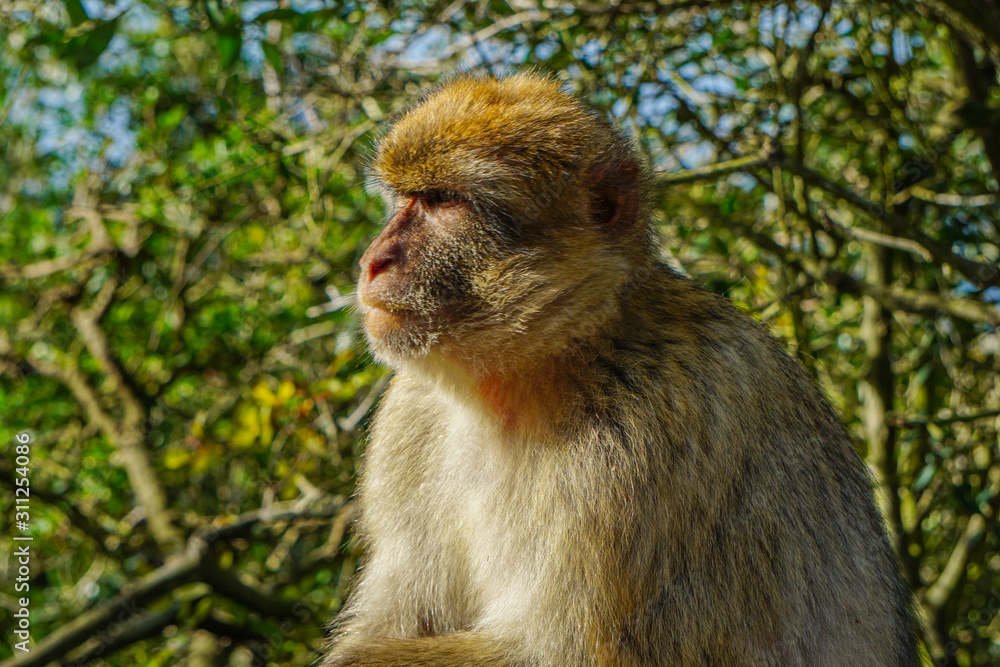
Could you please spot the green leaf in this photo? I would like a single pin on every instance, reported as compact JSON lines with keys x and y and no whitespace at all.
{"x":172,"y":117}
{"x":74,"y":8}
{"x":230,"y":41}
{"x":378,"y":39}
{"x":273,"y":56}
{"x":276,"y":15}
{"x":85,"y":49}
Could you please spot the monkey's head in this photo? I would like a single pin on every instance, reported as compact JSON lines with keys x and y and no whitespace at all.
{"x":516,"y":216}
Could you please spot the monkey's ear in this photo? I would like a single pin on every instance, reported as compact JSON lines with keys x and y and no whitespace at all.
{"x":612,"y":190}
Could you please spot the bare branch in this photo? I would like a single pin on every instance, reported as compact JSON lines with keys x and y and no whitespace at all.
{"x":46,"y":267}
{"x":127,"y":435}
{"x":147,"y":625}
{"x":946,"y":199}
{"x":884,"y":240}
{"x":351,"y":422}
{"x":499,"y":26}
{"x":227,"y":583}
{"x":954,"y":572}
{"x":711,"y":171}
{"x":902,"y":421}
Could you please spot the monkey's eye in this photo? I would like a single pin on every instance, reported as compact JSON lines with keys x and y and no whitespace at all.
{"x":441,"y":198}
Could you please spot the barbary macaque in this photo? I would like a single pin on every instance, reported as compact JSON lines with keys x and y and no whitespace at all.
{"x":583,"y":458}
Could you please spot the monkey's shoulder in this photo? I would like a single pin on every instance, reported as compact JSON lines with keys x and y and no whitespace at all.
{"x":675,"y":326}
{"x":676,"y":311}
{"x":684,"y":355}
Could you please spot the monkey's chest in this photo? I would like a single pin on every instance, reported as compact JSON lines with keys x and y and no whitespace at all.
{"x":508,"y":521}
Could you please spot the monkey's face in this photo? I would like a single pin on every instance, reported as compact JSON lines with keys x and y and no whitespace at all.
{"x":482,"y":286}
{"x":417,"y":284}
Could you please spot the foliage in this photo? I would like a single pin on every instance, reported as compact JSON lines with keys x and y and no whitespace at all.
{"x":183,"y":206}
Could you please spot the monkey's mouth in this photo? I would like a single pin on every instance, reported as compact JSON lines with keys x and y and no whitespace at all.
{"x":371,"y":302}
{"x":380,"y":318}
{"x":373,"y":305}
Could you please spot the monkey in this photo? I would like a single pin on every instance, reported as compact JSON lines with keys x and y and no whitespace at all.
{"x":583,"y":458}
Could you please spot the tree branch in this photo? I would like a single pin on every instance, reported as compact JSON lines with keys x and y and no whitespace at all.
{"x":146,"y":626}
{"x":978,"y":272}
{"x":902,"y":421}
{"x":195,"y":563}
{"x":954,"y":572}
{"x":907,"y":300}
{"x":124,"y":608}
{"x":711,"y":171}
{"x":127,"y":441}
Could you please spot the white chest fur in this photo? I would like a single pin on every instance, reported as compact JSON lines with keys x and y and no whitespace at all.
{"x":492,"y":478}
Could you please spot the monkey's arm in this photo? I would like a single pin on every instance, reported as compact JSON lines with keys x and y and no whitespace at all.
{"x":460,"y":649}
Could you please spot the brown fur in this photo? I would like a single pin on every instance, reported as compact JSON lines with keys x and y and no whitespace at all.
{"x":584,"y":459}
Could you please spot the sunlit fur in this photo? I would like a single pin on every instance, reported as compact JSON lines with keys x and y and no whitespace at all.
{"x":584,"y":459}
{"x":518,"y":143}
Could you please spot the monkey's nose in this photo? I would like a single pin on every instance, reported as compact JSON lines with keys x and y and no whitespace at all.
{"x":382,"y":259}
{"x":377,"y":266}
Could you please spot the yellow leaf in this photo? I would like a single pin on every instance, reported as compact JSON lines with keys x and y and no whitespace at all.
{"x":784,"y":325}
{"x":204,"y":461}
{"x":263,"y":393}
{"x":248,"y":426}
{"x":176,"y":457}
{"x":285,"y":391}
{"x":266,"y":430}
{"x":256,"y":235}
{"x":198,"y":427}
{"x":290,"y":490}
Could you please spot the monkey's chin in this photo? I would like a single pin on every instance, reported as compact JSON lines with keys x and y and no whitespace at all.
{"x":380,"y":322}
{"x":395,"y":335}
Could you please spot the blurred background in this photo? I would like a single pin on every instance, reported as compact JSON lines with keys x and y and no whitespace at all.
{"x":182,"y":208}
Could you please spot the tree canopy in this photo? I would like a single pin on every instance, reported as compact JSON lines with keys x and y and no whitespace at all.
{"x":182,"y":208}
